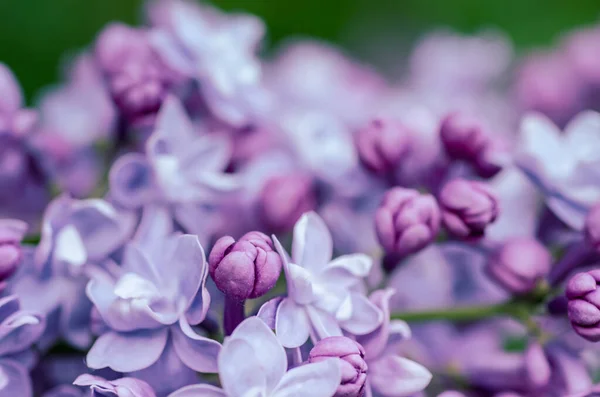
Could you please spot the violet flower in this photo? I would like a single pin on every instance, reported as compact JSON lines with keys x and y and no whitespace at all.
{"x":20,"y":330}
{"x":565,"y":165}
{"x":149,"y":305}
{"x":323,"y":295}
{"x":182,"y":170}
{"x":217,"y":51}
{"x":390,"y":374}
{"x":124,"y":387}
{"x":253,"y":363}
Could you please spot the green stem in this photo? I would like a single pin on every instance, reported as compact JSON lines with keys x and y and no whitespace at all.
{"x":468,"y":313}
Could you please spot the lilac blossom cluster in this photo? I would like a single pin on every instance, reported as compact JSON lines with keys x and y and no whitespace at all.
{"x":182,"y":217}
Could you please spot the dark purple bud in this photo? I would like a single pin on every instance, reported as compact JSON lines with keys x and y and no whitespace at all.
{"x":519,"y":264}
{"x":591,"y":227}
{"x":244,"y":269}
{"x":584,"y":304}
{"x":406,"y":221}
{"x":284,"y":199}
{"x":137,"y":79}
{"x":352,"y":363}
{"x":465,"y":138}
{"x":468,"y":207}
{"x":382,"y":145}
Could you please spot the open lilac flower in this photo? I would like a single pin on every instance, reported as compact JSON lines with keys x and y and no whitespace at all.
{"x":253,"y":363}
{"x":149,"y":305}
{"x":216,"y":50}
{"x":390,"y":374}
{"x":124,"y":387}
{"x":323,"y":294}
{"x":19,"y":330}
{"x":75,"y":233}
{"x":182,"y":169}
{"x":565,"y":166}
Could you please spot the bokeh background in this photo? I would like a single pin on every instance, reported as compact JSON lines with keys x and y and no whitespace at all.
{"x":37,"y":35}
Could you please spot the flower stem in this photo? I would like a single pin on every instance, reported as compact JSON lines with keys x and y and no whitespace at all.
{"x":234,"y":314}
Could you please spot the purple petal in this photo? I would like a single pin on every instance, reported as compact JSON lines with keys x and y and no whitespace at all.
{"x":199,"y":391}
{"x":316,"y":380}
{"x":268,"y":311}
{"x":197,"y":352}
{"x":238,"y":364}
{"x":323,"y":323}
{"x":14,"y":379}
{"x":312,"y":247}
{"x":366,"y":317}
{"x":11,"y":92}
{"x":291,"y":324}
{"x":12,"y":230}
{"x":132,"y":181}
{"x":127,"y":352}
{"x":19,"y":331}
{"x":393,"y":376}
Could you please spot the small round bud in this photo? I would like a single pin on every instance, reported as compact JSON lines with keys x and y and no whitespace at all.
{"x":591,"y":228}
{"x":352,"y":363}
{"x":468,"y":207}
{"x":245,"y":269}
{"x":406,"y":221}
{"x":284,"y":199}
{"x":382,"y":145}
{"x":519,"y":264}
{"x":584,"y":304}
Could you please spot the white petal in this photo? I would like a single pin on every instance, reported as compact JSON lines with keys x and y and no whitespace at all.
{"x":312,"y":247}
{"x":366,"y":317}
{"x":395,"y":376}
{"x":316,"y":380}
{"x":291,"y":324}
{"x":239,"y":368}
{"x":199,"y":391}
{"x":69,"y":247}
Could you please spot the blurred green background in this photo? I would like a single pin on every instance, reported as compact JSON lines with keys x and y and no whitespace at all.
{"x":35,"y":35}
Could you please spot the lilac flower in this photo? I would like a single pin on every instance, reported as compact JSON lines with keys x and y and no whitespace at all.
{"x":217,"y":51}
{"x":564,"y":166}
{"x":12,"y":232}
{"x":19,"y":329}
{"x":323,"y":294}
{"x":181,"y":169}
{"x":584,"y":307}
{"x":253,"y":363}
{"x":391,"y":375}
{"x":75,"y":233}
{"x":149,"y":305}
{"x":124,"y":387}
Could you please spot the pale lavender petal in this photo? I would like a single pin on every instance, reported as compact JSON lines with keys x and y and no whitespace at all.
{"x":127,"y":352}
{"x":300,"y":280}
{"x":14,"y":379}
{"x":12,"y":230}
{"x":395,"y":376}
{"x":238,"y":364}
{"x":199,"y":391}
{"x":366,"y":317}
{"x":270,"y":354}
{"x":197,"y":352}
{"x":312,"y":247}
{"x":132,"y":181}
{"x":291,"y":324}
{"x":19,"y":331}
{"x":316,"y":380}
{"x":268,"y":311}
{"x":323,"y":323}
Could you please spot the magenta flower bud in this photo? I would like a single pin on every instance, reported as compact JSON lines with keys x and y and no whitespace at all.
{"x":244,"y":269}
{"x":591,"y":228}
{"x":519,"y":264}
{"x":137,"y":79}
{"x":465,"y":138}
{"x":584,"y":304}
{"x":352,"y":363}
{"x":382,"y":145}
{"x":284,"y":199}
{"x":406,"y":221}
{"x":468,"y":207}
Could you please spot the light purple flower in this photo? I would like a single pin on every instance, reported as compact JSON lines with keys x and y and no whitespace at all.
{"x":253,"y":363}
{"x":182,"y":169}
{"x":152,"y":299}
{"x":19,"y":330}
{"x":391,"y":375}
{"x":565,"y":166}
{"x":323,"y":294}
{"x":123,"y":387}
{"x":216,"y":50}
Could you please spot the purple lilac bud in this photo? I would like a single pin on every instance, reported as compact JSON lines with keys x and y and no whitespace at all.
{"x":519,"y":264}
{"x":138,"y":81}
{"x":591,"y":227}
{"x":11,"y":233}
{"x":352,"y":363}
{"x":465,"y":138}
{"x":285,"y":198}
{"x":248,"y":268}
{"x":406,"y":221}
{"x":382,"y":145}
{"x":468,"y":207}
{"x":584,"y":304}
